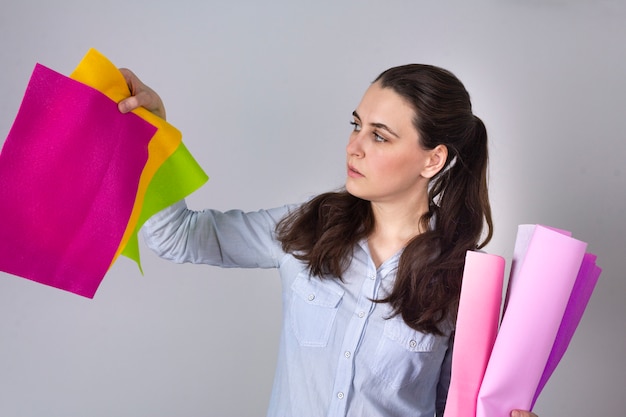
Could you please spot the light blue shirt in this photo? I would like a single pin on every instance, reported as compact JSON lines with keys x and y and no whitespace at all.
{"x":339,"y":354}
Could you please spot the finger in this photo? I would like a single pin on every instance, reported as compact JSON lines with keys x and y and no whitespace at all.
{"x":141,"y":96}
{"x":520,"y":413}
{"x":131,"y":103}
{"x":128,"y":104}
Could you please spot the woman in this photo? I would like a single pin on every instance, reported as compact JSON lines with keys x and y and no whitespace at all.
{"x":371,"y":274}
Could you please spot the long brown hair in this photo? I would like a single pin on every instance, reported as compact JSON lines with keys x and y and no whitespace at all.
{"x":323,"y":232}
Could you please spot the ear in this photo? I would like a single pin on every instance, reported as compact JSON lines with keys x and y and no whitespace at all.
{"x":437,"y":158}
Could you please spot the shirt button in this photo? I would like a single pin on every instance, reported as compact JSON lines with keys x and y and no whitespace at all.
{"x":340,"y":395}
{"x":347,"y":354}
{"x":413,"y":343}
{"x":361,"y":314}
{"x":311,"y":297}
{"x":372,"y":276}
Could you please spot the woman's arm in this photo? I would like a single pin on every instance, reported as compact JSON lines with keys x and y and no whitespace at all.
{"x":227,"y":239}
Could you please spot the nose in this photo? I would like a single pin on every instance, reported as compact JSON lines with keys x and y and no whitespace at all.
{"x":354,"y":146}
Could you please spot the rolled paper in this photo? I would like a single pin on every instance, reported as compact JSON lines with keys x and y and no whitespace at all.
{"x":69,"y":173}
{"x":541,"y":284}
{"x":522,"y":240}
{"x":476,"y":330}
{"x":581,"y":294}
{"x":170,"y":174}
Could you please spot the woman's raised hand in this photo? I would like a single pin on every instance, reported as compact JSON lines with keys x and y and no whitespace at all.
{"x":141,"y":96}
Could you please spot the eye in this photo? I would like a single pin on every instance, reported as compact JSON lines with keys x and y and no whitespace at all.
{"x":355,"y":126}
{"x":378,"y":138}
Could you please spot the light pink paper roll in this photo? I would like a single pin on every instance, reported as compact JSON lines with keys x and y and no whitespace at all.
{"x":542,"y":280}
{"x":581,"y":293}
{"x":476,"y":329}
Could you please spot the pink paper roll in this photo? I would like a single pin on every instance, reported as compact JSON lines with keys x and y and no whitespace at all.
{"x":540,"y":289}
{"x":69,"y":172}
{"x":476,"y":329}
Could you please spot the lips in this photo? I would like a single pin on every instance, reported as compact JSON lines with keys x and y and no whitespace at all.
{"x":353,"y":172}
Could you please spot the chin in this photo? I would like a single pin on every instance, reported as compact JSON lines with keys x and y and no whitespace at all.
{"x":349,"y":188}
{"x":355,"y":192}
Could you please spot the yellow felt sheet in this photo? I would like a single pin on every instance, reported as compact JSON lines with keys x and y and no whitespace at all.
{"x":170,"y":174}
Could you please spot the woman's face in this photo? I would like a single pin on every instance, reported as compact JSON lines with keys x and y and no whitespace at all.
{"x":386,"y":162}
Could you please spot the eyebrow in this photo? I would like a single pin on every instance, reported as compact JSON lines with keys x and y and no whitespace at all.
{"x":377,"y":125}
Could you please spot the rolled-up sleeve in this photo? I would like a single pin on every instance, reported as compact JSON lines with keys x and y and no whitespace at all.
{"x":228,"y":239}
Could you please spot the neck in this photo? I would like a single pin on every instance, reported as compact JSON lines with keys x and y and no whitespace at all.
{"x":394,"y":227}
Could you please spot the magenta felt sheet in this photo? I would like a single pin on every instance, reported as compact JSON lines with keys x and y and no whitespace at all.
{"x":69,"y":171}
{"x":546,"y":264}
{"x":476,"y":330}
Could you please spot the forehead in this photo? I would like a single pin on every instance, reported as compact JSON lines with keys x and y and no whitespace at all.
{"x":384,"y":105}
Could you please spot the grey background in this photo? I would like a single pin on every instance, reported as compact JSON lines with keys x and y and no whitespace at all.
{"x":263,"y":92}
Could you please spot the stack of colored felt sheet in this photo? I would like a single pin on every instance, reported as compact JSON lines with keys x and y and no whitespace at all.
{"x":499,"y":366}
{"x":78,"y":178}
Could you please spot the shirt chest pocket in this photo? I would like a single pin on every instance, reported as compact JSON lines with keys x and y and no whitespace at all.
{"x":314,"y":306}
{"x":405,"y":356}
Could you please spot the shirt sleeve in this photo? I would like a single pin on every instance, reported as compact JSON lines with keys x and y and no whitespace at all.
{"x":444,"y":379}
{"x":227,"y":239}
